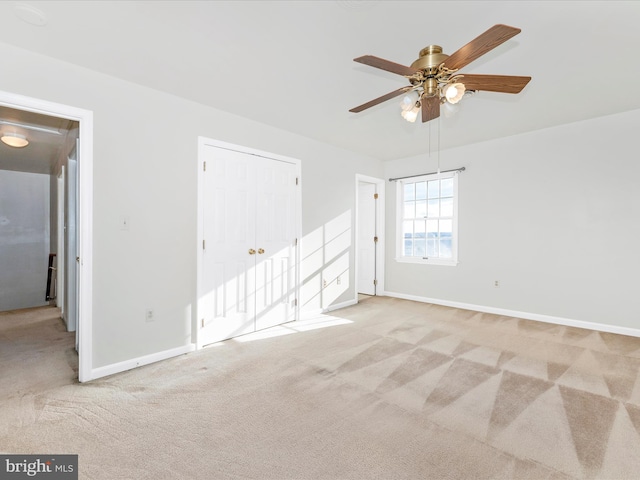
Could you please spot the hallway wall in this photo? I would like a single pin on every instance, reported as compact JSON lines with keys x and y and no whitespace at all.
{"x":24,"y":239}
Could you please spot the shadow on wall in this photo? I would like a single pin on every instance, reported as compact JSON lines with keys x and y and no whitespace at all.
{"x":325,"y":263}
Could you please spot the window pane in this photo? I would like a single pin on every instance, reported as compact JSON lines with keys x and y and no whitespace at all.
{"x":434,"y":208}
{"x":407,"y":229}
{"x":409,"y":210}
{"x":432,"y":250}
{"x":408,"y":247}
{"x":446,"y":227}
{"x":446,"y":207}
{"x":432,"y":228}
{"x":445,"y":248}
{"x":421,"y":209}
{"x":434,"y":188}
{"x":419,"y":238}
{"x":407,"y":233}
{"x":446,"y":187}
{"x":409,"y":191}
{"x":421,"y":190}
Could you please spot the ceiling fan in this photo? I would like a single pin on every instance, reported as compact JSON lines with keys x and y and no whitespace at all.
{"x":434,"y":76}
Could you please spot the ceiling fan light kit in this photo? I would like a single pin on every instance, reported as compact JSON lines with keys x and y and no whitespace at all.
{"x":434,"y":77}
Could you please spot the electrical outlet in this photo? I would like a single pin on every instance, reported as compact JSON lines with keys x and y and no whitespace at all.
{"x":496,"y":283}
{"x":148,"y":315}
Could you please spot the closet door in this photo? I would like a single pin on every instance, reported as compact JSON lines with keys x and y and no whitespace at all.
{"x":247,"y":278}
{"x":227,"y":289}
{"x":275,"y":242}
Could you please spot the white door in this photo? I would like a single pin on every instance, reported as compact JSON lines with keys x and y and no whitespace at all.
{"x":275,"y":242}
{"x":71,"y":248}
{"x":366,"y":238}
{"x":229,"y":255}
{"x":247,"y":279}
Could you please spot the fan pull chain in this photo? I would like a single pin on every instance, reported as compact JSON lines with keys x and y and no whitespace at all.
{"x":429,"y":149}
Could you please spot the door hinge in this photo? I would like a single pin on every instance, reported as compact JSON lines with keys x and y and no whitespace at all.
{"x":295,"y":302}
{"x":297,"y":180}
{"x":375,"y":239}
{"x":295,"y":243}
{"x":204,"y":166}
{"x":203,"y":244}
{"x":375,"y":196}
{"x":202,"y":323}
{"x":375,"y":282}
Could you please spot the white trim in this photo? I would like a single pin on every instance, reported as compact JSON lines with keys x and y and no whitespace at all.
{"x":338,"y":306}
{"x":140,"y":361}
{"x":85,"y":207}
{"x":567,"y":322}
{"x":305,"y":314}
{"x":380,"y":231}
{"x":399,"y":209}
{"x":202,"y":143}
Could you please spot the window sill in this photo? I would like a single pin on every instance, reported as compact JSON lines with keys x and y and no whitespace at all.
{"x":427,"y":261}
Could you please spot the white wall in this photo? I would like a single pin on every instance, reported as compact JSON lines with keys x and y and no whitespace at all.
{"x":551,"y":214}
{"x":24,"y":239}
{"x":145,"y":154}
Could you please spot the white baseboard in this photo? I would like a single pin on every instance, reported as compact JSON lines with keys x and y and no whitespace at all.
{"x":340,"y":305}
{"x":140,"y":361}
{"x":567,"y":322}
{"x":306,"y":314}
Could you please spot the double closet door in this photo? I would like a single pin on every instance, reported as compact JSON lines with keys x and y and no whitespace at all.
{"x":249,"y":258}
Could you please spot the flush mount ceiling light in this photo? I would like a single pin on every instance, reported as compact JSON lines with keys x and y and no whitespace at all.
{"x":435,"y":76}
{"x":14,"y":139}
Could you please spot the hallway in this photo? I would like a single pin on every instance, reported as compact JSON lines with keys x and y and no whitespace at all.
{"x":35,"y":340}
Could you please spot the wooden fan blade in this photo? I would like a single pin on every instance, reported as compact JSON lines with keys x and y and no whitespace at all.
{"x":495,"y":83}
{"x":496,"y":35}
{"x":381,"y":99}
{"x":383,"y":64}
{"x":430,"y":108}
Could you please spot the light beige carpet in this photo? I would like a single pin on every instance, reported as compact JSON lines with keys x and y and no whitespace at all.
{"x":387,"y":389}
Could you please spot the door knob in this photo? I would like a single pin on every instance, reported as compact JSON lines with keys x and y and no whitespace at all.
{"x":261,"y":251}
{"x":252,"y":251}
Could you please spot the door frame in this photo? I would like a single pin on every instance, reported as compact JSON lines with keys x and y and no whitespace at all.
{"x":85,"y":214}
{"x":380,"y":230}
{"x":204,"y":142}
{"x":60,"y":257}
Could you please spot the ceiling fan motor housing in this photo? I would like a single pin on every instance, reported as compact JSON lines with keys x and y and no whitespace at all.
{"x":430,"y":58}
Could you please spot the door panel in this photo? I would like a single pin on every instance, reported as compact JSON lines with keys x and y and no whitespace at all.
{"x":275,"y":236}
{"x":366,"y":233}
{"x":229,"y":235}
{"x":71,"y":247}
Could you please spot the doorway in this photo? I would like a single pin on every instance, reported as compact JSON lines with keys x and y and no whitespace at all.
{"x":83,"y":211}
{"x":369,"y":238}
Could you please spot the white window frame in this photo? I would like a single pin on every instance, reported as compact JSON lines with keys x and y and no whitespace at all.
{"x":400,"y":257}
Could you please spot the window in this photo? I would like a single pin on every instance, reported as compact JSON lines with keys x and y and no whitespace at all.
{"x":427,"y":219}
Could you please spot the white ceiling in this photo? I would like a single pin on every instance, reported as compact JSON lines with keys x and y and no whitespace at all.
{"x":290,"y":63}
